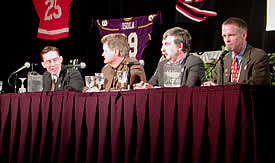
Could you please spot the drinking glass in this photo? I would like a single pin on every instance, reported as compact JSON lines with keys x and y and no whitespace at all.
{"x":90,"y":81}
{"x":122,"y":78}
{"x":1,"y":86}
{"x":99,"y":79}
{"x":22,"y":89}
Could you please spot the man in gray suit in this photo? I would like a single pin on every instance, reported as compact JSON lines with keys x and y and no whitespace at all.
{"x":57,"y":76}
{"x":176,"y":45}
{"x":252,"y":65}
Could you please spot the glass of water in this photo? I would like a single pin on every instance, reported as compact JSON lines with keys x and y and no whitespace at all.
{"x":99,"y":80}
{"x":1,"y":86}
{"x":90,"y":81}
{"x":122,"y":78}
{"x":22,"y":89}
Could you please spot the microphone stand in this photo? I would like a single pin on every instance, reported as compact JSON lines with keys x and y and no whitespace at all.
{"x":14,"y":82}
{"x":221,"y":68}
{"x":26,"y":65}
{"x":128,"y":77}
{"x":129,"y":73}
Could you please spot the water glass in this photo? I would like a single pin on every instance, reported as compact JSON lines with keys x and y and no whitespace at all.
{"x":22,"y":89}
{"x":1,"y":86}
{"x":90,"y":81}
{"x":99,"y":79}
{"x":122,"y":77}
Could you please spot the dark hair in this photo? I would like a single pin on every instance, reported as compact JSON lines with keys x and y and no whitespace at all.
{"x":238,"y":22}
{"x":47,"y":49}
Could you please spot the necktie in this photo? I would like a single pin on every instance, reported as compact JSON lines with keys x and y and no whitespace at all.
{"x":114,"y":83}
{"x":53,"y":85}
{"x":234,"y":70}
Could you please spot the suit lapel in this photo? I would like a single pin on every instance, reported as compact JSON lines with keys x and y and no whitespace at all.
{"x":227,"y":68}
{"x":61,"y":79}
{"x":245,"y":61}
{"x":161,"y":73}
{"x":184,"y":70}
{"x":48,"y":80}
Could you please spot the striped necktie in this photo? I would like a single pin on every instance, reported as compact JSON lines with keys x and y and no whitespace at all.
{"x":234,"y":70}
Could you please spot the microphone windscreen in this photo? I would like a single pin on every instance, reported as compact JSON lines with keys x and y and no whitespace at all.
{"x":141,"y":62}
{"x":82,"y":65}
{"x":27,"y":65}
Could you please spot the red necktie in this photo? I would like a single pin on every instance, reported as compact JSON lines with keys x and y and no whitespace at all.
{"x":234,"y":70}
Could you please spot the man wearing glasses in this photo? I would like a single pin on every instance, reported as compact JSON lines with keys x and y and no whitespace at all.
{"x":58,"y":77}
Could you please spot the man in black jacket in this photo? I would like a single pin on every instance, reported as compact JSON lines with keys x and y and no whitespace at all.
{"x":58,"y":77}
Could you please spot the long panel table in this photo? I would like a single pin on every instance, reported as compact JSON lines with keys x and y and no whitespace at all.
{"x":167,"y":125}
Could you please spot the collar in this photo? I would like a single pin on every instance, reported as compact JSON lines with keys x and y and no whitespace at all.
{"x":182,"y":59}
{"x":55,"y":77}
{"x":118,"y":63}
{"x":240,"y":55}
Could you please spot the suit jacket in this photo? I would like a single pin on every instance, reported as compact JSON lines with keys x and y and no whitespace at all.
{"x":193,"y":72}
{"x":68,"y":79}
{"x":254,"y":69}
{"x":137,"y":74}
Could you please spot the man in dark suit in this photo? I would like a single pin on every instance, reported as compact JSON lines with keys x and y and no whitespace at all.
{"x":176,"y":45}
{"x":58,"y":77}
{"x":245,"y":64}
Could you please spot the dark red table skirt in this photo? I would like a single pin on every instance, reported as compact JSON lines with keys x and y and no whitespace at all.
{"x":171,"y":125}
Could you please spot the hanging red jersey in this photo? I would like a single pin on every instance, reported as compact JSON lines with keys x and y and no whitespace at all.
{"x":54,"y":18}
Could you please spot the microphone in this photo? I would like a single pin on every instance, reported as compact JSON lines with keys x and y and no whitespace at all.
{"x":140,"y":62}
{"x":82,"y":65}
{"x":226,"y":50}
{"x":26,"y":65}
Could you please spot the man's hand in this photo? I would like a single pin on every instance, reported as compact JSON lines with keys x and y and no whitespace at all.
{"x":93,"y":89}
{"x":142,"y":85}
{"x":209,"y":83}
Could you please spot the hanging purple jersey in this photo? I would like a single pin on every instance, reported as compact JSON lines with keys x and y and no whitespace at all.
{"x":195,"y":10}
{"x":137,"y":29}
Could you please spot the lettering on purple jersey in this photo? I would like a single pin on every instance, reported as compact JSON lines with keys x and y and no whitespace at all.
{"x":128,"y":25}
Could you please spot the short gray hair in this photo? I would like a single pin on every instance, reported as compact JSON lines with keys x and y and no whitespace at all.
{"x":181,"y":36}
{"x":117,"y":41}
{"x":237,"y":22}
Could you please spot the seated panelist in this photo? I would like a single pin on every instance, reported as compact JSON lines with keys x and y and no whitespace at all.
{"x":116,"y":58}
{"x":176,"y":45}
{"x":245,"y":64}
{"x":57,"y":76}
